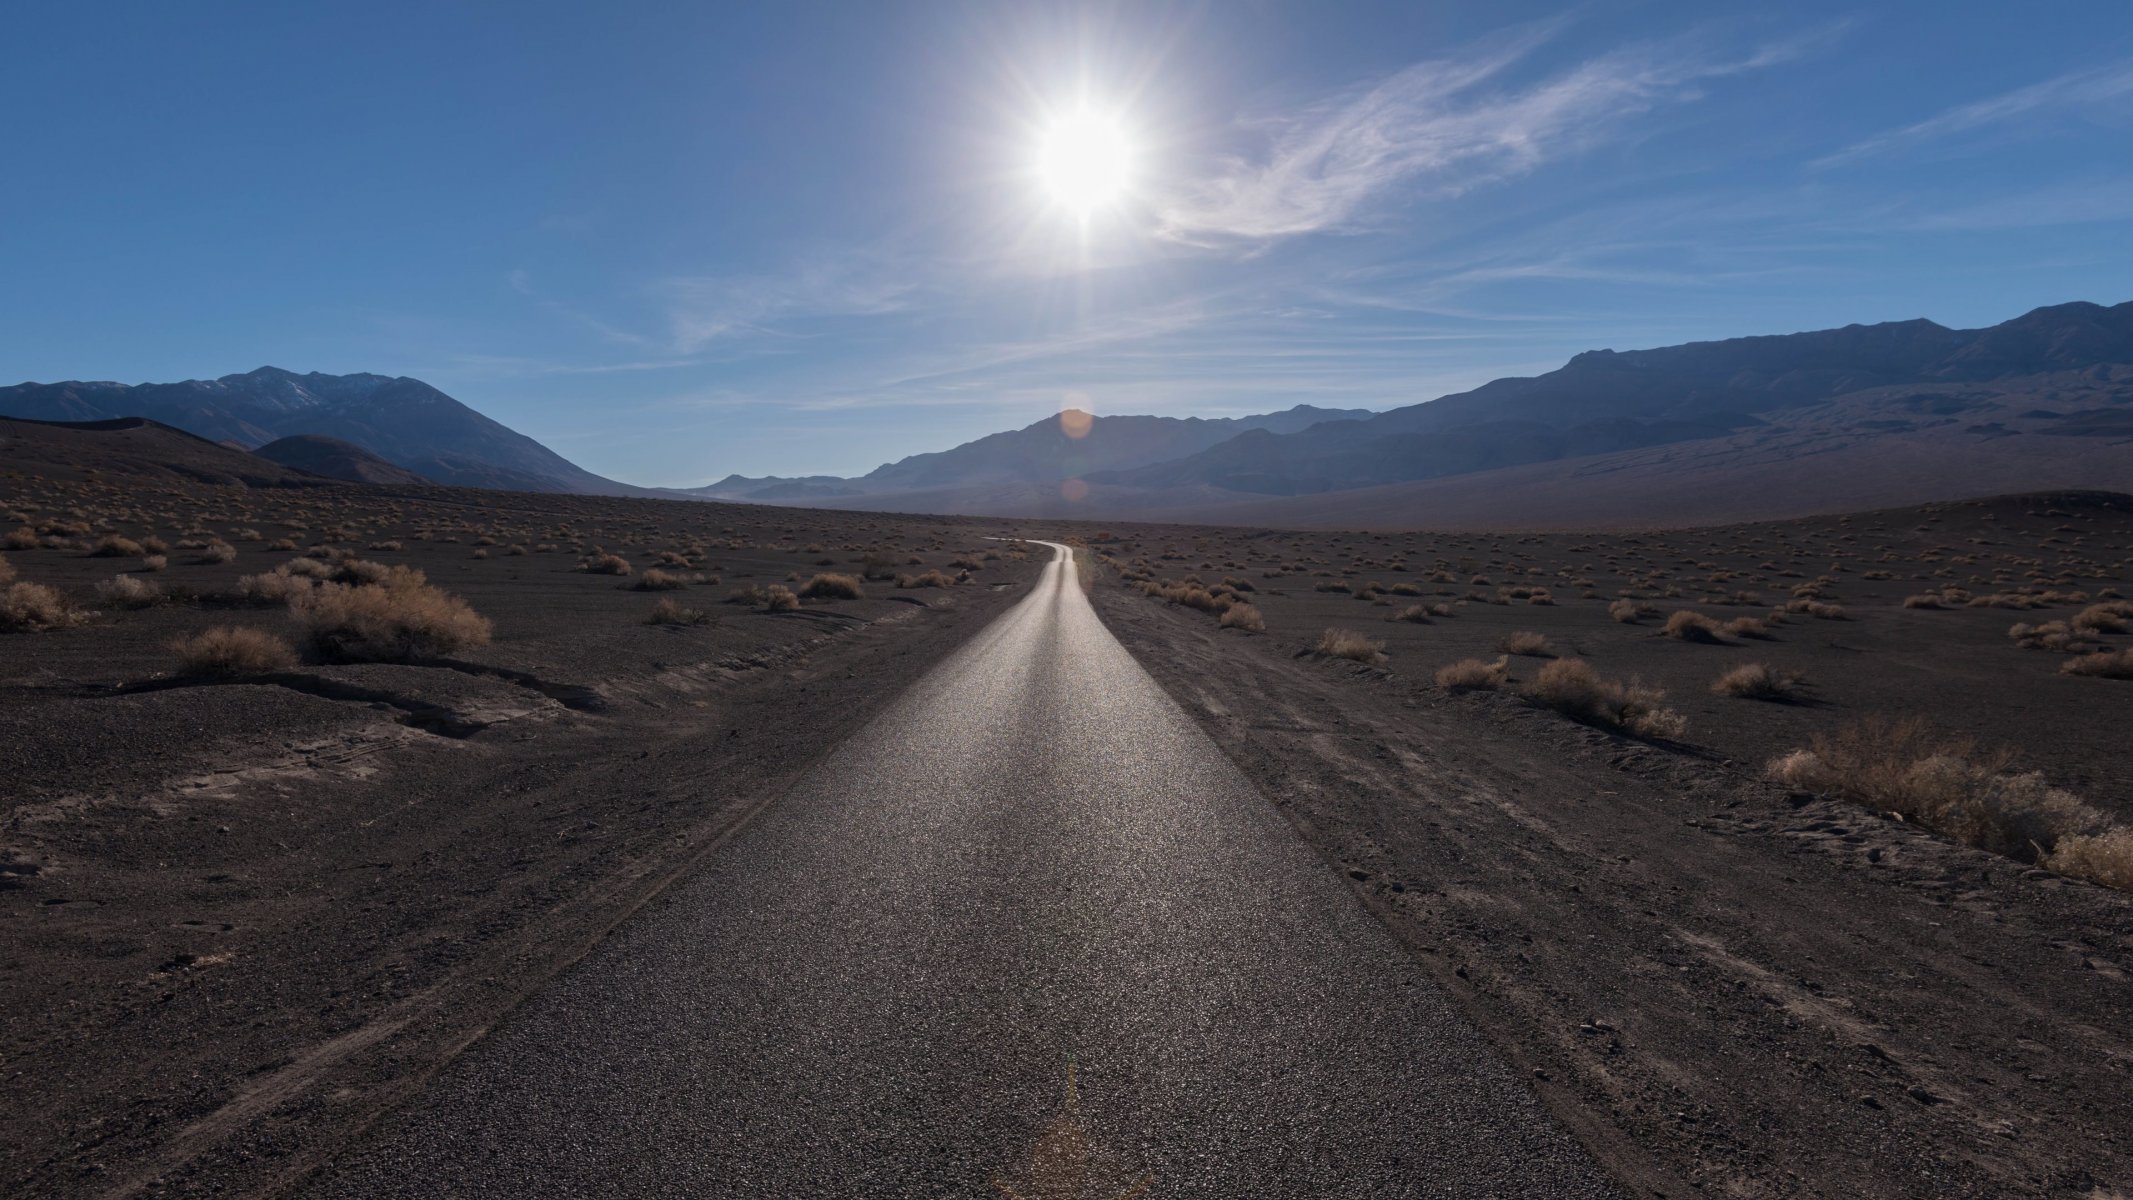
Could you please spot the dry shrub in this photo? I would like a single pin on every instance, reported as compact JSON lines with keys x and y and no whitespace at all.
{"x":1473,"y":674}
{"x":1629,"y":612}
{"x":832,"y":587}
{"x":1243,"y":616}
{"x":656,"y":580}
{"x":1526,"y":642}
{"x":1759,"y":681}
{"x":230,"y":650}
{"x":932,"y":579}
{"x":605,"y":564}
{"x":1748,"y":627}
{"x":2105,"y":858}
{"x":670,"y":611}
{"x":1570,"y":686}
{"x":216,"y":553}
{"x":779,"y":598}
{"x":114,"y":546}
{"x":277,"y":586}
{"x":1947,"y":783}
{"x":1348,"y":644}
{"x":154,"y":562}
{"x":2054,"y":636}
{"x":1924,"y":600}
{"x":1691,"y":626}
{"x":402,"y":617}
{"x":1816,"y":609}
{"x":2112,"y":617}
{"x":35,"y":606}
{"x":24,"y":538}
{"x":1416,"y":614}
{"x":2105,"y":664}
{"x":128,"y":591}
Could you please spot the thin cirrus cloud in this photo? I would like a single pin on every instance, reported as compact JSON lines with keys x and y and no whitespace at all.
{"x":701,"y":310}
{"x":2071,"y":92}
{"x":1433,"y":127}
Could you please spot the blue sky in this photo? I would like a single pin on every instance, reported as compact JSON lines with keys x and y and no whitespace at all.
{"x":674,"y":240}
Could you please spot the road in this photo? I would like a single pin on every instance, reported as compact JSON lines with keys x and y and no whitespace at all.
{"x":1027,"y":934}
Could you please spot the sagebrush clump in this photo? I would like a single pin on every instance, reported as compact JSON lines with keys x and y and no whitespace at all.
{"x":397,"y":618}
{"x":232,"y":650}
{"x":1572,"y":687}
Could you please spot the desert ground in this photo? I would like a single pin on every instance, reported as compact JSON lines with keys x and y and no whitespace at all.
{"x":258,"y":888}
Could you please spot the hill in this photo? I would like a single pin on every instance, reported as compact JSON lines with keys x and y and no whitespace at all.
{"x":404,"y":421}
{"x":336,"y":459}
{"x":137,"y":448}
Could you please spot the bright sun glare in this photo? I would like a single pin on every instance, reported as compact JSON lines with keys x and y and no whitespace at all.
{"x":1085,"y":161}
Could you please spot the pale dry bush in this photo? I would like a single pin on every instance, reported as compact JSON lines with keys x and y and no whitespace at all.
{"x":832,"y":587}
{"x":670,"y":611}
{"x":605,"y":564}
{"x":1348,"y":644}
{"x":1816,"y":609}
{"x":2114,"y":616}
{"x":2105,"y":858}
{"x":401,"y":617}
{"x":656,"y":580}
{"x":154,"y":562}
{"x":1748,"y":627}
{"x":929,"y":579}
{"x":277,"y":586}
{"x":216,"y":553}
{"x":128,"y":591}
{"x":1946,"y":783}
{"x":1759,"y":681}
{"x":1243,"y":616}
{"x":1629,"y":612}
{"x":1691,"y":626}
{"x":2053,"y":636}
{"x":114,"y":546}
{"x":1416,"y":614}
{"x":2104,"y":664}
{"x":1526,"y":642}
{"x":24,"y":538}
{"x":33,"y":606}
{"x":1570,"y":686}
{"x":232,"y":650}
{"x":1473,"y":674}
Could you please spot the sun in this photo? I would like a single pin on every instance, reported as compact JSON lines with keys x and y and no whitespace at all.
{"x":1085,"y":161}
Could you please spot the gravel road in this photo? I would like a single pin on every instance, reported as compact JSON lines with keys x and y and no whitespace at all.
{"x":1028,"y":933}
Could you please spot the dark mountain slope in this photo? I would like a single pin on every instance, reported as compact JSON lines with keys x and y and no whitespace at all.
{"x":136,"y":448}
{"x":336,"y":459}
{"x":404,"y":421}
{"x":1604,"y":401}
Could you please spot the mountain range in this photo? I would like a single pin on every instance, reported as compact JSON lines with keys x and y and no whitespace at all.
{"x":404,"y":421}
{"x":1864,"y":416}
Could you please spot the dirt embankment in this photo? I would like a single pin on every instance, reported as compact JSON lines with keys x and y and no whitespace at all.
{"x":1723,"y":989}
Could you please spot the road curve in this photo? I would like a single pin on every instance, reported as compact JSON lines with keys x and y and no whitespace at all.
{"x":1027,"y":934}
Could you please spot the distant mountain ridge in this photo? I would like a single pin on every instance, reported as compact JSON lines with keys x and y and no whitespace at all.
{"x":333,"y":458}
{"x":401,"y":420}
{"x":1071,"y":445}
{"x":1605,"y":401}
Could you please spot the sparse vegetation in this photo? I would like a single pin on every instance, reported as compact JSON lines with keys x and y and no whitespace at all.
{"x":1242,"y":616}
{"x":1348,"y":644}
{"x":128,"y":591}
{"x":1905,"y":767}
{"x":832,"y":587}
{"x":33,"y":606}
{"x":1474,"y":674}
{"x":400,"y":617}
{"x":2104,"y":664}
{"x":1572,"y":687}
{"x":670,"y":611}
{"x":1689,"y":625}
{"x":928,"y":579}
{"x":605,"y":564}
{"x":1759,"y":681}
{"x":232,"y":650}
{"x":656,"y":580}
{"x":1526,"y":642}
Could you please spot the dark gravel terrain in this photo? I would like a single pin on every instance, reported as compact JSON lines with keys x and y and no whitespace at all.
{"x":240,"y":919}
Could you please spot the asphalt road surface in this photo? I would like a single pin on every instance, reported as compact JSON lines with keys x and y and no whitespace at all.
{"x":1027,"y":934}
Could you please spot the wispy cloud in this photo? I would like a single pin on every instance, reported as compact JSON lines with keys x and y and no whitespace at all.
{"x":2075,"y":91}
{"x":1434,"y":127}
{"x":705,"y":309}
